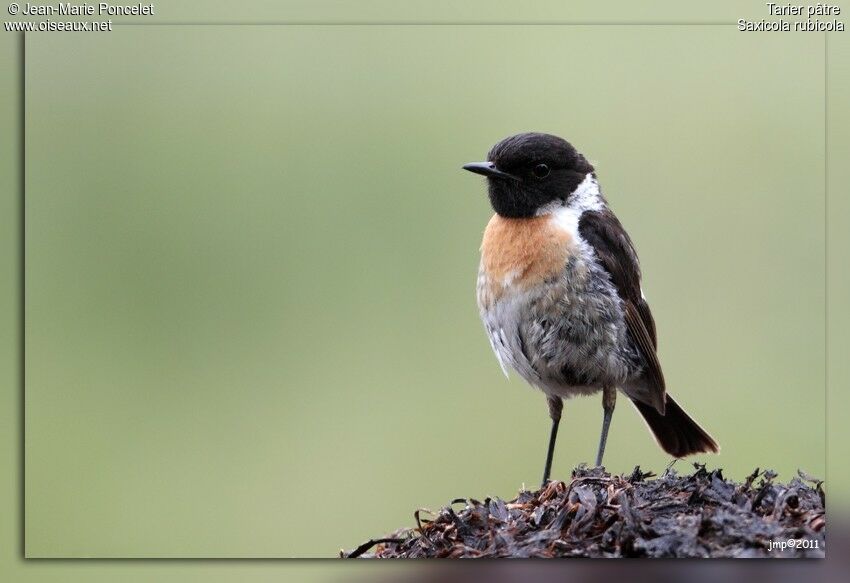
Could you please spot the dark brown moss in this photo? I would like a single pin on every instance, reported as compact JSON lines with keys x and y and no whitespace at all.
{"x":597,"y":514}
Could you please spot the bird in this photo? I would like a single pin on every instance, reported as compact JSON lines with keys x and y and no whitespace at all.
{"x":559,"y":292}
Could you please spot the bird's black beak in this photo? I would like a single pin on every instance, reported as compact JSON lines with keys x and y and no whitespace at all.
{"x":489,"y":169}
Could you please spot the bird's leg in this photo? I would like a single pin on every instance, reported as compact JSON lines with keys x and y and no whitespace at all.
{"x":609,"y":399}
{"x":556,"y":404}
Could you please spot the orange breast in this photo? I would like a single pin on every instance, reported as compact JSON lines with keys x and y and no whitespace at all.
{"x":520,"y":253}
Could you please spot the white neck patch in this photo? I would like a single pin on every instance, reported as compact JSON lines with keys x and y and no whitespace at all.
{"x":586,"y":197}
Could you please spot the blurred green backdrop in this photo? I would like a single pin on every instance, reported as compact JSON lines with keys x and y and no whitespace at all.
{"x":251,"y":258}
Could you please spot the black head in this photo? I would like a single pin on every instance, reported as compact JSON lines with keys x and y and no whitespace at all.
{"x":528,"y":171}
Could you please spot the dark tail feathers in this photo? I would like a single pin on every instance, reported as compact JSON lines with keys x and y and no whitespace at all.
{"x":675,"y":431}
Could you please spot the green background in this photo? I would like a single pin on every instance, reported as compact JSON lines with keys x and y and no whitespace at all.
{"x":251,"y":323}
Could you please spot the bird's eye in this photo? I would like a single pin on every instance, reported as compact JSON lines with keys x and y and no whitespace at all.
{"x":541,"y":171}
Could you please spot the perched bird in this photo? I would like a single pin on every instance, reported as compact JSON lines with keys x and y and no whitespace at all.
{"x":559,"y":292}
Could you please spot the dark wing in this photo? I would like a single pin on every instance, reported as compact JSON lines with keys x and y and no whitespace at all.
{"x":615,"y":251}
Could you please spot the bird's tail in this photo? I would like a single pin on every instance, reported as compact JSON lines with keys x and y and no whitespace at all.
{"x":675,"y":431}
